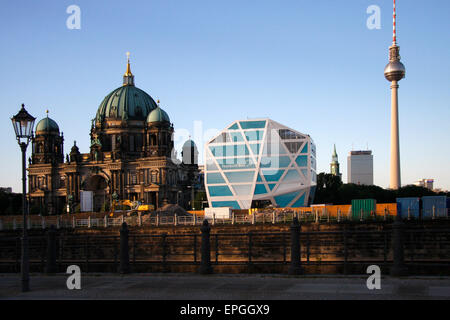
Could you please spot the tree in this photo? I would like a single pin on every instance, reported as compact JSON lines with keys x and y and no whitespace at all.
{"x":331,"y":190}
{"x":327,"y":189}
{"x":4,"y":202}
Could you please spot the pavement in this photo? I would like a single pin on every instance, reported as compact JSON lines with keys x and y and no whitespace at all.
{"x":223,"y":287}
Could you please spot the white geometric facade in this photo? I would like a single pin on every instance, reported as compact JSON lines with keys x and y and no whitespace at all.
{"x":260,"y":160}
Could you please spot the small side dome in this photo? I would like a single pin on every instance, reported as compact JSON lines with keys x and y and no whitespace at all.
{"x":47,"y":125}
{"x":74,"y":149}
{"x":189,"y":144}
{"x":190,"y":153}
{"x":158,"y":115}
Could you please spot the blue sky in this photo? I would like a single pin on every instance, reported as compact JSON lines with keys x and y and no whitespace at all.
{"x":311,"y":65}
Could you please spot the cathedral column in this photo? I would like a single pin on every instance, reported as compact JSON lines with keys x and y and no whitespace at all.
{"x":77,"y":184}
{"x":71,"y":183}
{"x":122,"y":184}
{"x":67,"y":185}
{"x":113,"y":182}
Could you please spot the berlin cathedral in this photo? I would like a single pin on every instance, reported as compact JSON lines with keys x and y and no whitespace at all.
{"x":131,"y":157}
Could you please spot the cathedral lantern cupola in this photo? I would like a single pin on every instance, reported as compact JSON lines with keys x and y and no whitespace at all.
{"x":48,"y":143}
{"x":128,"y":77}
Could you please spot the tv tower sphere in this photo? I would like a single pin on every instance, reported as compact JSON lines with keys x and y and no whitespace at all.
{"x":394,"y":71}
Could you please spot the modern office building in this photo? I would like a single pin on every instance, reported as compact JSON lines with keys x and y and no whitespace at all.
{"x":360,"y":167}
{"x":426,"y":183}
{"x":258,"y":162}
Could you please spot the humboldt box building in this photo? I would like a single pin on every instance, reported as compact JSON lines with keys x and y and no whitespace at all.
{"x":259,"y":162}
{"x":131,"y":156}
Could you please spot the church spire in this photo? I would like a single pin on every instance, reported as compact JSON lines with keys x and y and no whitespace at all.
{"x":334,"y":165}
{"x":128,"y":77}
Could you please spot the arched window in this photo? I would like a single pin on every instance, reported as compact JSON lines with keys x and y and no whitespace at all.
{"x":41,"y":182}
{"x":154,"y":176}
{"x":139,"y":142}
{"x":113,"y":112}
{"x":62,"y":182}
{"x":133,"y":178}
{"x":132,"y":143}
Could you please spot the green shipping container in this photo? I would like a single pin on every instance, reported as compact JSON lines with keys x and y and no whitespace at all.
{"x":366,"y":206}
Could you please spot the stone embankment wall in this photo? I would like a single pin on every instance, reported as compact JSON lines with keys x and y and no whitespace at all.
{"x":324,"y":248}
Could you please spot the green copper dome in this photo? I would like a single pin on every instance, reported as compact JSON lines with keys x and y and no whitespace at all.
{"x":158,"y":115}
{"x":47,"y":125}
{"x":126,"y":103}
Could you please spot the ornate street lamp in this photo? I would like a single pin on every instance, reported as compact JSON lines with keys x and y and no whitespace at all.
{"x":23,"y":124}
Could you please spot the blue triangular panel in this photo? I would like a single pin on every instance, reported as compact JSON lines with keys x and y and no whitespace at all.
{"x":305,"y":148}
{"x":285,"y":199}
{"x":260,"y":189}
{"x":219,"y":191}
{"x":234,"y":127}
{"x":214,"y":178}
{"x":300,"y":202}
{"x":273,"y":175}
{"x":254,"y":135}
{"x":302,"y":161}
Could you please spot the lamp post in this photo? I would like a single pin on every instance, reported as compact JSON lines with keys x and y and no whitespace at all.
{"x":23,"y":124}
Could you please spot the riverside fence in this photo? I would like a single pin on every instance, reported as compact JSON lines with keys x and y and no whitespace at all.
{"x":395,"y":248}
{"x":274,"y":216}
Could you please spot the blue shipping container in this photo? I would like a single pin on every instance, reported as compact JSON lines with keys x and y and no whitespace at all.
{"x":438,"y":202}
{"x":405,"y":204}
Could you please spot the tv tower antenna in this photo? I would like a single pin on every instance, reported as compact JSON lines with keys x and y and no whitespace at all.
{"x":394,"y":31}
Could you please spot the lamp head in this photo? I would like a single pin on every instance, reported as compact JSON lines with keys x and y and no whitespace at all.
{"x":23,"y":124}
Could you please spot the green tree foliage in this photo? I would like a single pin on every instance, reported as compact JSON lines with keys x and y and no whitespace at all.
{"x":4,"y":202}
{"x":200,"y":196}
{"x":10,"y":203}
{"x":327,"y":190}
{"x":330,"y":189}
{"x":105,"y":207}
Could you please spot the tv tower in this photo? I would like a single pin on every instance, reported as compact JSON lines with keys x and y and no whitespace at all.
{"x":394,"y":72}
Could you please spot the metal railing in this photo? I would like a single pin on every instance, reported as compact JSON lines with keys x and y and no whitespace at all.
{"x":346,"y":249}
{"x":317,"y":215}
